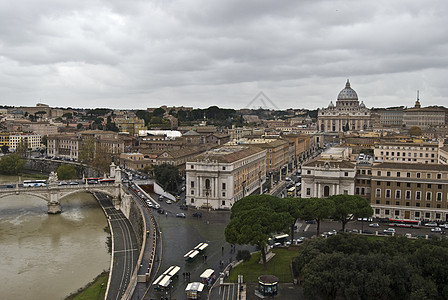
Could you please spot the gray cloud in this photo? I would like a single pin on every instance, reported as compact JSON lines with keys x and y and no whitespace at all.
{"x":138,"y":54}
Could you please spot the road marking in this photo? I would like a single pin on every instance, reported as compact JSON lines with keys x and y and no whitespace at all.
{"x":125,"y":250}
{"x":307,"y":226}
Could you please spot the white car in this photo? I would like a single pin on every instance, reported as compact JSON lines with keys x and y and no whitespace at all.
{"x":431,"y":224}
{"x":436,"y":229}
{"x":374,"y":225}
{"x":389,"y":230}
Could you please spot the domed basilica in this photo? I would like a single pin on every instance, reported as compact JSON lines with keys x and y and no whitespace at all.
{"x":347,"y":115}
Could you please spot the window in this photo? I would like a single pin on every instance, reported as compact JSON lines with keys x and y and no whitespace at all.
{"x":428,"y":196}
{"x":308,"y":172}
{"x":192,"y":168}
{"x":429,"y":186}
{"x":386,"y":212}
{"x":388,"y":183}
{"x":387,"y":202}
{"x":192,"y":192}
{"x":397,"y":203}
{"x":223,"y":202}
{"x":388,"y":173}
{"x":398,"y":174}
{"x":408,"y":184}
{"x":207,"y":184}
{"x":437,"y":215}
{"x":223,"y":194}
{"x":417,"y":214}
{"x":223,"y":185}
{"x":439,"y":186}
{"x":308,"y":191}
{"x":428,"y":204}
{"x":428,"y":176}
{"x":398,"y":183}
{"x":408,"y":174}
{"x":378,"y":193}
{"x":378,"y":173}
{"x":192,"y":184}
{"x":345,"y":192}
{"x":387,"y":193}
{"x":357,"y":191}
{"x":427,"y":215}
{"x":417,"y":204}
{"x":419,"y":185}
{"x":192,"y":200}
{"x":418,"y":175}
{"x":345,"y":173}
{"x":397,"y":194}
{"x":378,"y":183}
{"x":377,"y":211}
{"x":223,"y":168}
{"x":439,"y":176}
{"x":408,"y":195}
{"x":418,"y":195}
{"x":397,"y":212}
{"x":408,"y":204}
{"x":439,"y":196}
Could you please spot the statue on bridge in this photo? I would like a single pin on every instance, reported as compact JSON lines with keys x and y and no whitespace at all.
{"x":53,"y":178}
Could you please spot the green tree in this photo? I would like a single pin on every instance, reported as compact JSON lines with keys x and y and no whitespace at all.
{"x":87,"y":151}
{"x":158,"y":112}
{"x":11,"y":164}
{"x":317,"y":209}
{"x":44,"y":140}
{"x":22,"y":147}
{"x":254,"y":218}
{"x":5,"y":149}
{"x":66,"y":172}
{"x":415,"y":131}
{"x":167,"y":176}
{"x":348,"y":207}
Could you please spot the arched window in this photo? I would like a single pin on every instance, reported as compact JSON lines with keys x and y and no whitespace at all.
{"x":207,"y":184}
{"x":326,"y":191}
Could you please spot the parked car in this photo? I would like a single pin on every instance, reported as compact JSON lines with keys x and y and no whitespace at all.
{"x":431,"y":224}
{"x":374,"y":225}
{"x":197,"y":214}
{"x":74,"y":183}
{"x":169,"y":201}
{"x":389,"y":230}
{"x":62,"y":183}
{"x":161,"y":198}
{"x":436,"y":229}
{"x":181,"y":215}
{"x":444,"y":226}
{"x":10,"y":186}
{"x":183,"y":206}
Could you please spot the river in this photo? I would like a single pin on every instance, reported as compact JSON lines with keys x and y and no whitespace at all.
{"x":50,"y":256}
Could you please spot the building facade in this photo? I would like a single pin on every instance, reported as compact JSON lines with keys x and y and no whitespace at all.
{"x":407,"y":152}
{"x":217,"y":178}
{"x":347,"y":115}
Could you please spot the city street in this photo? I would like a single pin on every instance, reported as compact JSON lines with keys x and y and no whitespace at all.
{"x":180,"y":235}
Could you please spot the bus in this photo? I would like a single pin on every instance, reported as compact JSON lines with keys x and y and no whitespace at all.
{"x":108,"y":180}
{"x":92,"y":180}
{"x":405,"y":223}
{"x":292,"y":191}
{"x":33,"y":183}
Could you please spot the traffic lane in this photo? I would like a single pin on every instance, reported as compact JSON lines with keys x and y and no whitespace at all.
{"x":181,"y":235}
{"x":125,"y":249}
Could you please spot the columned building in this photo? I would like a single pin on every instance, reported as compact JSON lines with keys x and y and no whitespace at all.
{"x":217,"y":178}
{"x":347,"y":115}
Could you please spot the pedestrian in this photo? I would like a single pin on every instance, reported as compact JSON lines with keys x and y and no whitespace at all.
{"x":222,"y":250}
{"x":166,"y":214}
{"x":183,"y":274}
{"x":206,"y":258}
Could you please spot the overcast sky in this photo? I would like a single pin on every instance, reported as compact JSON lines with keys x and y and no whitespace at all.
{"x":148,"y":53}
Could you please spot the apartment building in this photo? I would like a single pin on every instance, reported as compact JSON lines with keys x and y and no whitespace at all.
{"x":217,"y":178}
{"x":407,"y":152}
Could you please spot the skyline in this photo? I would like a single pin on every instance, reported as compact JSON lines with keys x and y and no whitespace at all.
{"x":200,"y":53}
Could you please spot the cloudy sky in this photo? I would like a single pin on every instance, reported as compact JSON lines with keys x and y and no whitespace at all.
{"x":148,"y":53}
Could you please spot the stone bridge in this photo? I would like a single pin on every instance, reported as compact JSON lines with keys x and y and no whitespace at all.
{"x":53,"y":193}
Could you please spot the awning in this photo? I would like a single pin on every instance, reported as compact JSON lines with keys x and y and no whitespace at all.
{"x":195,"y":287}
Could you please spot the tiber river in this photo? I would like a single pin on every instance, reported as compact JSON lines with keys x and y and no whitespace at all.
{"x":50,"y":256}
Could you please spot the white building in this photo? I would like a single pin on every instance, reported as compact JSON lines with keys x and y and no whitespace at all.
{"x":34,"y":141}
{"x":218,"y":178}
{"x":323,"y":178}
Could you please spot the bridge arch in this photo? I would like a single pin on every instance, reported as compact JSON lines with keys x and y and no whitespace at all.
{"x":38,"y":195}
{"x":90,"y":190}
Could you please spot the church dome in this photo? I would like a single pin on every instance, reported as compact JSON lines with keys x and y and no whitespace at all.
{"x":348,"y":93}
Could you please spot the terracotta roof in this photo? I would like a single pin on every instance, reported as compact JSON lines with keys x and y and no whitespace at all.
{"x":227,"y":154}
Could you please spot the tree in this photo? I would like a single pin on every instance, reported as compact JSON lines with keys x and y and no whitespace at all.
{"x":11,"y":164}
{"x":5,"y":149}
{"x":44,"y":140}
{"x":317,"y":209}
{"x":168,"y":176}
{"x":158,"y":112}
{"x":22,"y":147}
{"x":415,"y":131}
{"x":254,"y":218}
{"x":87,"y":151}
{"x":66,"y":172}
{"x":348,"y":207}
{"x":295,"y":211}
{"x":102,"y":158}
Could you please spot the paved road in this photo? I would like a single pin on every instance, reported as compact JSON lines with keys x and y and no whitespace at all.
{"x":125,"y":250}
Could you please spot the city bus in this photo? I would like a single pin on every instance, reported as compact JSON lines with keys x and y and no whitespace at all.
{"x":33,"y":183}
{"x":108,"y":180}
{"x":292,"y":191}
{"x":405,"y":223}
{"x":92,"y":180}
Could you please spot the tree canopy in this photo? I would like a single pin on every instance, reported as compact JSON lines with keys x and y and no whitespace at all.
{"x":66,"y":172}
{"x":167,"y":176}
{"x":350,"y":266}
{"x":348,"y":207}
{"x":11,"y":164}
{"x":255,"y":218}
